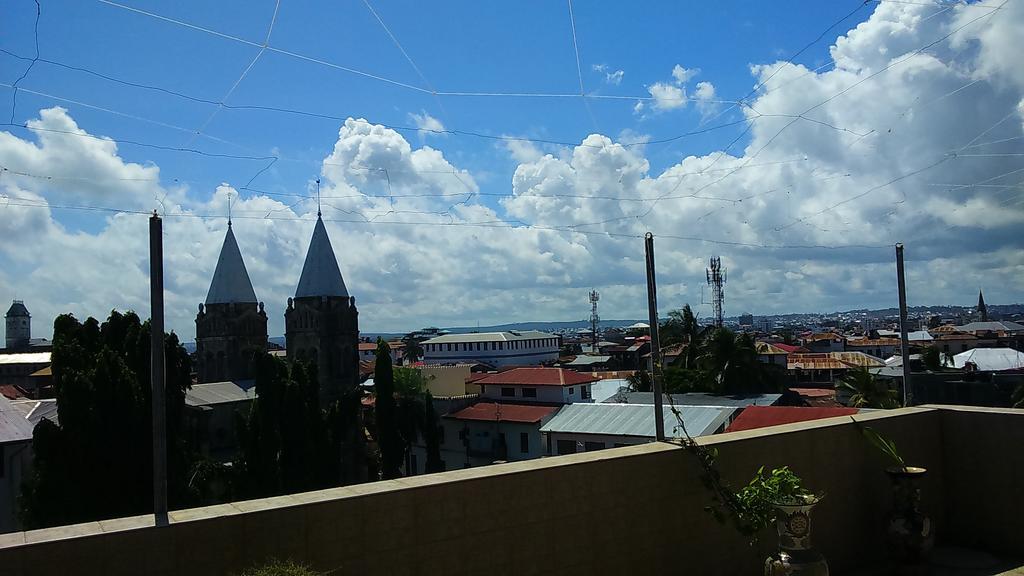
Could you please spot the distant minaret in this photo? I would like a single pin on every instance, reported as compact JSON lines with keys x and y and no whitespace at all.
{"x":982,"y":309}
{"x":19,"y":326}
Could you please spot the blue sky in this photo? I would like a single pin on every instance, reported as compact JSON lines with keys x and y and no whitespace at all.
{"x":465,"y":46}
{"x":823,"y":181}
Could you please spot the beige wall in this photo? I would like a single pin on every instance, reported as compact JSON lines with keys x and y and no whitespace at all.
{"x":446,"y":380}
{"x":621,"y":511}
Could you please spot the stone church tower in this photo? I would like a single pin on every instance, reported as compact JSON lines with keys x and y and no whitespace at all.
{"x":232,"y":327}
{"x":19,"y":326}
{"x":321,"y":322}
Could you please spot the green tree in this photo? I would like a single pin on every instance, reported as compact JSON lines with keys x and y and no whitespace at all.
{"x":639,"y":381}
{"x":387,"y":425}
{"x":98,"y":462}
{"x":288,"y":441}
{"x":413,"y":350}
{"x":932,"y":359}
{"x":432,"y":436}
{"x":729,"y":365}
{"x":866,"y":391}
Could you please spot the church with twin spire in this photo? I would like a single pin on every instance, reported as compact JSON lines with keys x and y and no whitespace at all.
{"x":321,"y":320}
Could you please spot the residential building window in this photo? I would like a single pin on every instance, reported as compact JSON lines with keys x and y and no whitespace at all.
{"x":585,"y":392}
{"x":524,"y":442}
{"x":572,"y":391}
{"x":566,"y":446}
{"x":591,"y":446}
{"x":449,"y":347}
{"x":501,"y":345}
{"x":477,"y":346}
{"x":508,"y":392}
{"x":529,"y":392}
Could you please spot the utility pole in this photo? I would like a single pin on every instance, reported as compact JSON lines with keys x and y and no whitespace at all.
{"x":904,"y":343}
{"x":652,"y":314}
{"x":594,"y":320}
{"x":157,"y":367}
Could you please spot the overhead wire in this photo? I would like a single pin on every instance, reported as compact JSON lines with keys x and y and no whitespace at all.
{"x":32,"y":63}
{"x":245,"y":72}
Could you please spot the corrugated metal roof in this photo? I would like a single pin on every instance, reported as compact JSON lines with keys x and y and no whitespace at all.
{"x":36,"y":410}
{"x":763,"y":416}
{"x":994,"y":326}
{"x":13,"y":425}
{"x":230,"y":279}
{"x":219,"y":393}
{"x":537,"y":377}
{"x":499,"y":412}
{"x":489,"y":337}
{"x":832,"y":361}
{"x":320,"y":273}
{"x":635,"y":420}
{"x":700,"y":399}
{"x":991,"y":359}
{"x":588,"y":360}
{"x":25,"y":358}
{"x":607,"y":388}
{"x":868,"y":342}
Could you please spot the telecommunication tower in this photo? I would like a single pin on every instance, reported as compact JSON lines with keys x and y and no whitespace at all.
{"x":716,"y":279}
{"x":594,"y":319}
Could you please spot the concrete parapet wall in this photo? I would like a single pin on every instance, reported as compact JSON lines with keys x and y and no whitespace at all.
{"x":632,"y":510}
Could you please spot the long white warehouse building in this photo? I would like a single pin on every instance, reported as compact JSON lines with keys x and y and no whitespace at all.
{"x":498,"y":349}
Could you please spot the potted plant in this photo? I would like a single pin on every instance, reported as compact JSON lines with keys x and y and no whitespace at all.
{"x":779,"y":497}
{"x":909,"y":532}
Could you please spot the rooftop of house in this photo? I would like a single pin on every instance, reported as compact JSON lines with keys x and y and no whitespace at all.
{"x":635,"y":420}
{"x":769,"y":349}
{"x":991,"y":359}
{"x":993,"y":326}
{"x":871,"y":342}
{"x":501,"y":412}
{"x":213,"y":393}
{"x":515,"y":335}
{"x":25,"y":358}
{"x":588,"y":360}
{"x":832,"y":361}
{"x":698,"y":399}
{"x":537,"y":377}
{"x":14,"y":427}
{"x":764,"y":416}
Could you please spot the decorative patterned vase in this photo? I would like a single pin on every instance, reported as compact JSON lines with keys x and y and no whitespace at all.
{"x":796,"y":556}
{"x":910,"y":534}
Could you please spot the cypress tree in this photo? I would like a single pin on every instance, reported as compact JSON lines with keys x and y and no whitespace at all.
{"x":388,"y":439}
{"x":431,"y":436}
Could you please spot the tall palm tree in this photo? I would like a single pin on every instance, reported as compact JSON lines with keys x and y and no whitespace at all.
{"x":868,"y":391}
{"x":729,"y":363}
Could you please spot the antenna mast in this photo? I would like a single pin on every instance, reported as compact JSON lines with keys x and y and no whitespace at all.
{"x":318,"y":197}
{"x":594,"y":319}
{"x":716,"y":279}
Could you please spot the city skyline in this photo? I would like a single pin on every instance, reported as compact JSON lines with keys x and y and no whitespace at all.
{"x":453,"y":209}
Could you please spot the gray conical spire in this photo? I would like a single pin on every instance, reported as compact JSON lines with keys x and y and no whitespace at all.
{"x":230,"y":280}
{"x":320,"y":273}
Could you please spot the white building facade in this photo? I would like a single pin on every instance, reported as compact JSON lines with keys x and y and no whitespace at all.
{"x":498,"y":349}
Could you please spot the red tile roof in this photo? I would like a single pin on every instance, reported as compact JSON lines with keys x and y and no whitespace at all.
{"x":367,"y":346}
{"x":492,"y":412}
{"x":789,"y":347}
{"x":537,"y":377}
{"x":761,"y":416}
